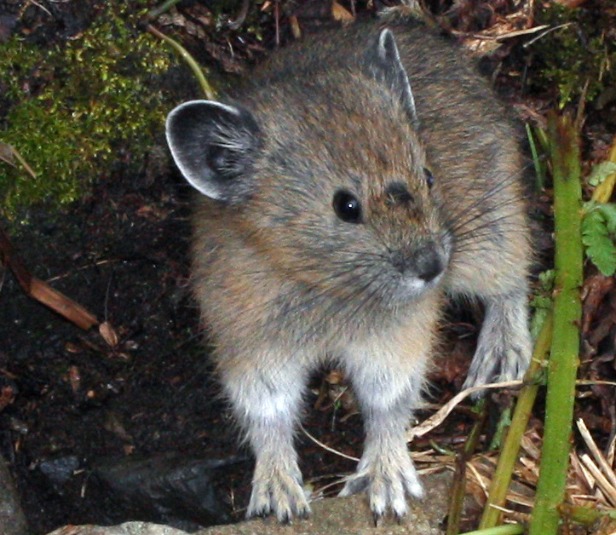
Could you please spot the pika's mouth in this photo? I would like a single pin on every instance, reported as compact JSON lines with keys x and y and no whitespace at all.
{"x":409,"y":288}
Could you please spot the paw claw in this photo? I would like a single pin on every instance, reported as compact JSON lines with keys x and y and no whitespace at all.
{"x":376,"y":519}
{"x":504,"y":347}
{"x":388,"y":480}
{"x":280,"y":493}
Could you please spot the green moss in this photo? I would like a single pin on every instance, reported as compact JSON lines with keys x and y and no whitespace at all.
{"x":577,"y":51}
{"x":80,"y":106}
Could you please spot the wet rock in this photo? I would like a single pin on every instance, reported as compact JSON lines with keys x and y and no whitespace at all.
{"x":12,"y":520}
{"x":59,"y":470}
{"x":172,"y":489}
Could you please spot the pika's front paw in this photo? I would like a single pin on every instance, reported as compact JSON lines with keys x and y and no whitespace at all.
{"x":278,"y":492}
{"x":502,"y":360}
{"x":388,"y":480}
{"x":504,"y":348}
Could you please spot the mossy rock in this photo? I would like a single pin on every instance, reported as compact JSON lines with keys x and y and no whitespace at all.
{"x":75,"y":109}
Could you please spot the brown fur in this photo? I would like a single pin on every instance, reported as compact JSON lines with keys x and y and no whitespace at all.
{"x":284,"y":282}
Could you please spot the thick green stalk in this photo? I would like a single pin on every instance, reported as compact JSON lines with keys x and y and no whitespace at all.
{"x":563,"y":364}
{"x":523,"y":409}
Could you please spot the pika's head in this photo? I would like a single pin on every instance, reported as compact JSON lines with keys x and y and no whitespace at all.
{"x":324,"y":175}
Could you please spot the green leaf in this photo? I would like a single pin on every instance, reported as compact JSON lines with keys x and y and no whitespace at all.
{"x":608,"y":211}
{"x":600,"y":172}
{"x":597,"y":227}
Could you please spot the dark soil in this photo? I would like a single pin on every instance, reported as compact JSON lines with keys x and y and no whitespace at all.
{"x":122,"y":253}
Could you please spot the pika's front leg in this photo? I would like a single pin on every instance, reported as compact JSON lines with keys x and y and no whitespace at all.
{"x":387,"y":377}
{"x":266,"y":396}
{"x":385,"y":470}
{"x":504,"y":346}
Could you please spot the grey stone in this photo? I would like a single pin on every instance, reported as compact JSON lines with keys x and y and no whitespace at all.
{"x":330,"y":516}
{"x":12,"y":519}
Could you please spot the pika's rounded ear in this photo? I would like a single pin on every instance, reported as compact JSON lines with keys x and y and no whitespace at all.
{"x":214,"y":145}
{"x":386,"y":66}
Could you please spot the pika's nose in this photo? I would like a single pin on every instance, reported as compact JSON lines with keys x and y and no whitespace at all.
{"x":425,"y":262}
{"x":428,"y":264}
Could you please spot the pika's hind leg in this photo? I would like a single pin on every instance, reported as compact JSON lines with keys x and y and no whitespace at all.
{"x":387,"y":374}
{"x":266,"y":393}
{"x":504,"y":346}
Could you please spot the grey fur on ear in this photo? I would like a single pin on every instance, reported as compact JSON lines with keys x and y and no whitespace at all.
{"x":388,"y":68}
{"x":214,"y":146}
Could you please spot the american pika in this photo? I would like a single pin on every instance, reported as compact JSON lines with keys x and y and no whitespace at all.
{"x":347,"y":187}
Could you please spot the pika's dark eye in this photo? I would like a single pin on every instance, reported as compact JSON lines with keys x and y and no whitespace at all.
{"x":347,"y":207}
{"x":429,"y":177}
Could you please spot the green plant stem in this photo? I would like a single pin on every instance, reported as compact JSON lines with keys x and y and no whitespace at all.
{"x":509,"y":452}
{"x":456,"y":503}
{"x":563,"y":363}
{"x":207,"y":89}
